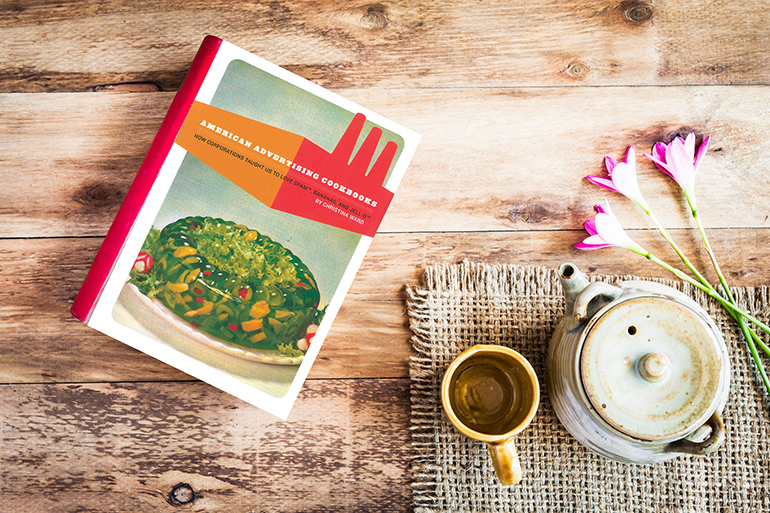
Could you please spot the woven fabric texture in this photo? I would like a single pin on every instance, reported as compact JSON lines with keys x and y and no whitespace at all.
{"x":464,"y":304}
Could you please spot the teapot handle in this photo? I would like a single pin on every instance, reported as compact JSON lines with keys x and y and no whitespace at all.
{"x":705,"y":447}
{"x":591,"y":292}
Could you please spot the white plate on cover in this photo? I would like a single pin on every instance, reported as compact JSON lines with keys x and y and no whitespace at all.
{"x":168,"y":327}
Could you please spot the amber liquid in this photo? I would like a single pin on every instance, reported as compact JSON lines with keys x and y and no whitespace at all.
{"x":491,"y":394}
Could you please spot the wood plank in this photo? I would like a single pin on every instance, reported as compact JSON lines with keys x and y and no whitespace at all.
{"x":414,"y":43}
{"x":370,"y":338}
{"x":41,"y":341}
{"x":125,"y":447}
{"x":491,"y":159}
{"x":71,"y":160}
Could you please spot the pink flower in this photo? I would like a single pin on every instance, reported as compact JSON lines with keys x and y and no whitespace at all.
{"x":622,"y":178}
{"x":678,"y":160}
{"x":605,"y":231}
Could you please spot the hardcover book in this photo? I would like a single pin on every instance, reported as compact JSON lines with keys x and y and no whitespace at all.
{"x":245,"y":226}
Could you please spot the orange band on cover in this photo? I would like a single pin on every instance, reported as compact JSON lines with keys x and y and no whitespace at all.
{"x":290,"y":173}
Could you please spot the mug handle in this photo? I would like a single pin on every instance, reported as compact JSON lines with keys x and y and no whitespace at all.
{"x":705,"y":447}
{"x":506,"y":461}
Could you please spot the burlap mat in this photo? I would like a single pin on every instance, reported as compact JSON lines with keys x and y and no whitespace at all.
{"x":465,"y":304}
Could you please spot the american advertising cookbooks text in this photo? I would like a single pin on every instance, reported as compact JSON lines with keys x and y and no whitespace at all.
{"x":245,"y":226}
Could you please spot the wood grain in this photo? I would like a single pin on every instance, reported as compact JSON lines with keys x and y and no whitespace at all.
{"x":125,"y":447}
{"x":491,"y":159}
{"x":41,"y":342}
{"x":79,"y":46}
{"x":71,"y":160}
{"x":517,"y":101}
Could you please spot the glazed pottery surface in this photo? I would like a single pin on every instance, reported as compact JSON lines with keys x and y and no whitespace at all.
{"x":637,"y":371}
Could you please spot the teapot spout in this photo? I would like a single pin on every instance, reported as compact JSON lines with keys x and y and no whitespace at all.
{"x":573,"y":282}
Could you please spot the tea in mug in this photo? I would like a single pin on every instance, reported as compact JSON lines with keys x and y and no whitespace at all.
{"x":491,"y":393}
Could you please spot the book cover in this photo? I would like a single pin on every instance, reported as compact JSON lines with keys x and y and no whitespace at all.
{"x":245,"y":226}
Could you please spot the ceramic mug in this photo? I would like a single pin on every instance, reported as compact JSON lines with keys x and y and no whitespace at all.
{"x":491,"y":393}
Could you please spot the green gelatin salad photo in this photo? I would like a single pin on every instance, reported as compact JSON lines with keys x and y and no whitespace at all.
{"x":232,"y":283}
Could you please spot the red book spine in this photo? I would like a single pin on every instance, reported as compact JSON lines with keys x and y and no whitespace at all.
{"x":108,"y":254}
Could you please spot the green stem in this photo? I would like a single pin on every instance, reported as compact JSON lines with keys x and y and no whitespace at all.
{"x":759,"y":342}
{"x":713,"y":257}
{"x":748,"y":334}
{"x":708,"y":289}
{"x":666,"y":235}
{"x":735,"y":311}
{"x":751,"y":337}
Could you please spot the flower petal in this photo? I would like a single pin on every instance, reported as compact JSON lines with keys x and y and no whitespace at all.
{"x":605,"y":230}
{"x":704,"y":146}
{"x":591,"y":227}
{"x":626,"y":183}
{"x":608,"y":228}
{"x":681,"y":165}
{"x":659,"y":157}
{"x":630,"y":155}
{"x":622,"y":178}
{"x":689,"y":145}
{"x":602,"y":182}
{"x":661,"y":165}
{"x":659,"y":152}
{"x":593,"y":242}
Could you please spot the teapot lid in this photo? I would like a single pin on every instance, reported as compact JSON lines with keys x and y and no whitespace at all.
{"x":652,"y":367}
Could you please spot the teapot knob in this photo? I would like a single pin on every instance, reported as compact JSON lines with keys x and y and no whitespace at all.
{"x":654,"y":367}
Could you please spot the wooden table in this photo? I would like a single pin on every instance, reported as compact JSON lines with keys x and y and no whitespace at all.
{"x":516,"y":101}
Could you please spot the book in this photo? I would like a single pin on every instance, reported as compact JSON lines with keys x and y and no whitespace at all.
{"x":245,"y":226}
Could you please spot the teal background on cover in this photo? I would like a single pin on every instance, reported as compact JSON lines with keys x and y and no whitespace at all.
{"x":258,"y":95}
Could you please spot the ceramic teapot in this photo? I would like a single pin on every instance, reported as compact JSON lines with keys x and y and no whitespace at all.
{"x":637,"y":371}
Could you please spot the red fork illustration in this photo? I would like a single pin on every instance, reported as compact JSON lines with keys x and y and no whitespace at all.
{"x":349,"y":197}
